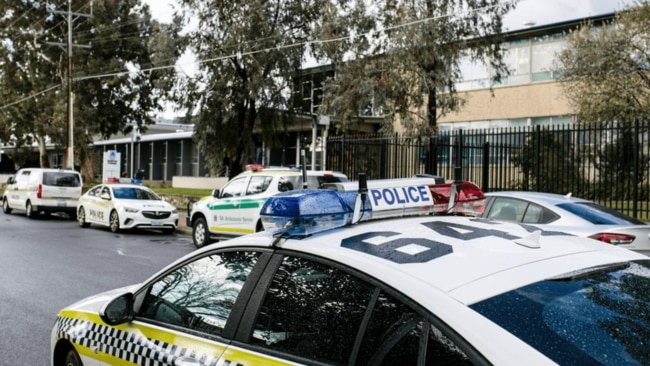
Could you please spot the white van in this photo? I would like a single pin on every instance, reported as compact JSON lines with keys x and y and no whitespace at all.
{"x":39,"y":190}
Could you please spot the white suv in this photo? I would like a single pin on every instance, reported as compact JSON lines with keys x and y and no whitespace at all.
{"x":40,"y":190}
{"x":235,"y":209}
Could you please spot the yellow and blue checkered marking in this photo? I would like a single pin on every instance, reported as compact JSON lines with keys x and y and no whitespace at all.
{"x":127,"y":346}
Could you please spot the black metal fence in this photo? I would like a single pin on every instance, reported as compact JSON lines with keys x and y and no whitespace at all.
{"x":606,"y":163}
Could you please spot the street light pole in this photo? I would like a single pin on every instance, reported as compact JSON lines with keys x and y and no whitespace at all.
{"x":70,"y":135}
{"x":70,"y":156}
{"x":132,"y":152}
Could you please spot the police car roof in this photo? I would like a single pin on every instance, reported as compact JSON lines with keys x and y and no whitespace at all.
{"x":270,"y":171}
{"x":469,"y":259}
{"x":380,"y":183}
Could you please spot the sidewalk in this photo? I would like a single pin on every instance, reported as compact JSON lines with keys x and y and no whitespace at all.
{"x":182,"y":228}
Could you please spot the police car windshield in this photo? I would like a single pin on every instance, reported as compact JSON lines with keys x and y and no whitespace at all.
{"x":134,"y":193}
{"x":598,"y":318}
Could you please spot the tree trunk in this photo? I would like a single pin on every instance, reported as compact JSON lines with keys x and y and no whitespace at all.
{"x":44,"y":160}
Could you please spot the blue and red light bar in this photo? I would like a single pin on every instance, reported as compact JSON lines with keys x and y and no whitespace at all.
{"x":304,"y":212}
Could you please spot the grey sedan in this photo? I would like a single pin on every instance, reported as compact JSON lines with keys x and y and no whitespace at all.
{"x":570,"y":215}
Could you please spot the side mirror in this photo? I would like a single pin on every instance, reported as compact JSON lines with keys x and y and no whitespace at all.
{"x":215,"y":193}
{"x":118,"y":310}
{"x":105,"y":196}
{"x":11,"y":180}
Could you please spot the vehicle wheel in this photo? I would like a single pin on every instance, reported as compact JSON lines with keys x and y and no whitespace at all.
{"x":81,"y":217}
{"x":29,"y":210}
{"x":114,"y":222}
{"x":200,"y":233}
{"x":72,"y":358}
{"x":5,"y":206}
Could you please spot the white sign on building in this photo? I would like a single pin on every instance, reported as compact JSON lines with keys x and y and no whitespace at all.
{"x":111,"y":166}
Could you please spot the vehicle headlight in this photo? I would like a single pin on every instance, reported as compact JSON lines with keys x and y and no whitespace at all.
{"x":174,"y":211}
{"x":131,"y":210}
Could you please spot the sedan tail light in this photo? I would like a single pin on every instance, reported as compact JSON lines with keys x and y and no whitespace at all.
{"x":615,"y":239}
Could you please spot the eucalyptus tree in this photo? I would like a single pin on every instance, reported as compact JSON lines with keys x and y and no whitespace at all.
{"x":29,"y":80}
{"x":122,"y":68}
{"x":248,"y":51}
{"x":605,"y":77}
{"x":403,"y":57}
{"x":604,"y":67}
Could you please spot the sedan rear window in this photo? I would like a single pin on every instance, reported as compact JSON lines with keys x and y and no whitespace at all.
{"x":597,"y":316}
{"x":598,"y":214}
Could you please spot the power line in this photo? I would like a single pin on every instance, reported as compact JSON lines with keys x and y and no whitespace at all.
{"x":31,"y":96}
{"x":281,"y":47}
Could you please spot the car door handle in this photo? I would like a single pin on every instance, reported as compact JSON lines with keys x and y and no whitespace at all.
{"x":186,"y":361}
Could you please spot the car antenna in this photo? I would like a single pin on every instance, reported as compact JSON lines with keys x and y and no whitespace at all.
{"x":452,"y":195}
{"x":361,"y":198}
{"x":531,"y":241}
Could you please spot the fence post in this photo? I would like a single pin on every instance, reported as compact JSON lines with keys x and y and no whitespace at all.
{"x":433,"y":155}
{"x":458,"y":166}
{"x":486,"y":167}
{"x":635,"y":189}
{"x":342,"y":153}
{"x":538,"y":142}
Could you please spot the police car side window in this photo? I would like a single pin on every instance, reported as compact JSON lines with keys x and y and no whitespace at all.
{"x":258,"y":184}
{"x":312,"y":310}
{"x":234,"y":188}
{"x":396,"y":333}
{"x":322,"y":313}
{"x":200,"y":295}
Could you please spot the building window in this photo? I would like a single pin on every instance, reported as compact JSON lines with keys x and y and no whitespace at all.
{"x":544,"y":52}
{"x":517,"y":57}
{"x":474,"y":73}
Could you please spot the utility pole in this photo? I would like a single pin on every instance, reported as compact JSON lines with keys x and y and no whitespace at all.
{"x":70,"y":142}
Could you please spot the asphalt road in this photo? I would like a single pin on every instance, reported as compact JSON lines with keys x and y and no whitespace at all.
{"x":47,"y":264}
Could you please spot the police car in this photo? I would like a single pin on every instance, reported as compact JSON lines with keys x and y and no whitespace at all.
{"x":121,"y":206}
{"x":373,"y":279}
{"x":235,"y":209}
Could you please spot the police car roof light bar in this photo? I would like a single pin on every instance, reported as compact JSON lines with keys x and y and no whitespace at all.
{"x":304,"y":212}
{"x":301,"y":213}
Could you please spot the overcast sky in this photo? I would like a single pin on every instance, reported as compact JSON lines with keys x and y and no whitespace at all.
{"x":538,"y":12}
{"x":543,"y":12}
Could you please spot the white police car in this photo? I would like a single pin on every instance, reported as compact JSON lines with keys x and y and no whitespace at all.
{"x":328,"y":283}
{"x":122,"y":206}
{"x":235,"y":209}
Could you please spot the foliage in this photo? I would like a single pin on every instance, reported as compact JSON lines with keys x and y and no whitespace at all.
{"x":615,"y":165}
{"x":605,"y":68}
{"x":118,"y":36}
{"x":403,"y":57}
{"x":549,"y":163}
{"x":248,"y":51}
{"x":606,"y":80}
